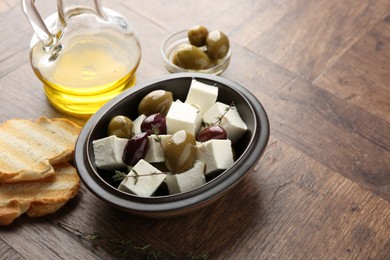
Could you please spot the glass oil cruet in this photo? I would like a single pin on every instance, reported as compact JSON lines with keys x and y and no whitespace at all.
{"x":84,"y":54}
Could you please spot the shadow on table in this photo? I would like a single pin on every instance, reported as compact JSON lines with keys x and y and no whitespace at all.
{"x":213,"y":230}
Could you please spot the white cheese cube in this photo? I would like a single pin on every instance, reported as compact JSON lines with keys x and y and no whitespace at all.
{"x":202,"y":95}
{"x":216,"y":154}
{"x":187,"y":180}
{"x":108,"y":152}
{"x":234,"y":126}
{"x":137,"y":124}
{"x":155,"y":152}
{"x":142,"y":180}
{"x":182,"y":116}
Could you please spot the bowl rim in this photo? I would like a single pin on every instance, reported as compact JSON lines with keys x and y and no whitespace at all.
{"x":177,"y":202}
{"x":215,"y":70}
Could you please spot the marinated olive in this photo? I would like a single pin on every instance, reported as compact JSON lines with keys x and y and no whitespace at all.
{"x":157,"y":101}
{"x":197,"y":35}
{"x":191,"y":57}
{"x":211,"y":132}
{"x":155,"y":122}
{"x":180,"y":152}
{"x":217,"y":45}
{"x":121,"y":126}
{"x":136,"y":149}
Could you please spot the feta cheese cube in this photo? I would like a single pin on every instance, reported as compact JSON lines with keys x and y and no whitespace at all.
{"x":137,"y":124}
{"x":202,"y":95}
{"x":142,"y":180}
{"x":182,"y":116}
{"x":108,"y":152}
{"x":216,"y":154}
{"x":155,"y":152}
{"x":187,"y":180}
{"x":234,"y":126}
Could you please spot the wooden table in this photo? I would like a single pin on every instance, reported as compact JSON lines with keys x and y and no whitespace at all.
{"x":322,"y":189}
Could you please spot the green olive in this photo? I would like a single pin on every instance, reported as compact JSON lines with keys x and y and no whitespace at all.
{"x":217,"y":45}
{"x":180,"y":152}
{"x":197,"y":35}
{"x":121,"y":126}
{"x":157,"y":101}
{"x":191,"y":57}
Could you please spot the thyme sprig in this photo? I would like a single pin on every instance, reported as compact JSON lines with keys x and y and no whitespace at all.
{"x":219,"y":119}
{"x":119,"y":176}
{"x":158,"y":137}
{"x":124,"y":248}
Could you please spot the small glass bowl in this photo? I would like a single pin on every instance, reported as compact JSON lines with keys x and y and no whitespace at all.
{"x":171,"y":43}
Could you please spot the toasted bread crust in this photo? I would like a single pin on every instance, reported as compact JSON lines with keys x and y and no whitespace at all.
{"x":28,"y":149}
{"x":38,"y":198}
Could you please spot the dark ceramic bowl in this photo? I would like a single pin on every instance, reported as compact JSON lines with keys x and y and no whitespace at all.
{"x":248,"y":149}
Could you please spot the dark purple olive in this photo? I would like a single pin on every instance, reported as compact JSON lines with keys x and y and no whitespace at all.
{"x":211,"y":132}
{"x":155,"y":122}
{"x":136,"y":149}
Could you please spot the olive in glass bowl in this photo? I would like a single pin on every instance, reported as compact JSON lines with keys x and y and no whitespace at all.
{"x":193,"y":58}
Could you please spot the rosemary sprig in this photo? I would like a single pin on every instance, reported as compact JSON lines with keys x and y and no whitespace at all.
{"x":119,"y":247}
{"x":119,"y":176}
{"x":158,"y":137}
{"x":135,"y":176}
{"x":219,"y":119}
{"x":124,"y":248}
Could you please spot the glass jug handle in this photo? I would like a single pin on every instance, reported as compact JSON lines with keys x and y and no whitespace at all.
{"x":96,"y":6}
{"x":37,"y":22}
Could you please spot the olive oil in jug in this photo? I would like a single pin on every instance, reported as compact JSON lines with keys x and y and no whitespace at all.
{"x":86,"y":57}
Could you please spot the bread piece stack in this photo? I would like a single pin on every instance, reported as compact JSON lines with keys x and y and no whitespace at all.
{"x":35,"y":176}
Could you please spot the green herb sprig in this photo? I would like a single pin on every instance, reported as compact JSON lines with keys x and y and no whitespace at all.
{"x":119,"y":176}
{"x":219,"y":119}
{"x":124,"y":248}
{"x":158,"y":137}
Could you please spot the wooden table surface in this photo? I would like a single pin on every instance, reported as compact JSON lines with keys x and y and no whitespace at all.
{"x":321,"y":69}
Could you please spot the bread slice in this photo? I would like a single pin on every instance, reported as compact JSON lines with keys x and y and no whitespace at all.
{"x":38,"y":198}
{"x":28,"y":149}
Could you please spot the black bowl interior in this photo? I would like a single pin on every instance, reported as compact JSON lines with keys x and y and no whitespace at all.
{"x":248,"y":149}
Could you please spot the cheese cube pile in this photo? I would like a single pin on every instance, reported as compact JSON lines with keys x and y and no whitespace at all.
{"x":200,"y":108}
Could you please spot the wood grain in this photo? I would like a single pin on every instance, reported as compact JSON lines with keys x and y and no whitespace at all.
{"x":327,"y":34}
{"x":264,"y":76}
{"x":7,"y":252}
{"x":322,"y":188}
{"x":309,"y":118}
{"x":349,"y":80}
{"x":241,"y":226}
